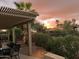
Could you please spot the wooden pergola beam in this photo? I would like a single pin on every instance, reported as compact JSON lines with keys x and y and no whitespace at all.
{"x":12,"y":17}
{"x":18,"y":12}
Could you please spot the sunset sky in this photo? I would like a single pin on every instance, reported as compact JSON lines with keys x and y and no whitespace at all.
{"x":48,"y":9}
{"x":56,"y":8}
{"x":51,"y":8}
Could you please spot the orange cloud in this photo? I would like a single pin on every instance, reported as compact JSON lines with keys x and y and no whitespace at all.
{"x":55,"y":8}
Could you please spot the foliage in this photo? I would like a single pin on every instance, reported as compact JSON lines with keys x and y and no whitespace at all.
{"x":57,"y":33}
{"x":38,"y":27}
{"x":67,"y":46}
{"x":67,"y":26}
{"x":55,"y":45}
{"x":18,"y":32}
{"x":23,"y":6}
{"x":41,"y":39}
{"x":71,"y":46}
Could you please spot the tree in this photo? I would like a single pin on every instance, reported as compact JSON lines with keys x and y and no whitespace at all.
{"x":67,"y":26}
{"x":25,"y":7}
{"x":74,"y":25}
{"x":57,"y":22}
{"x":38,"y":27}
{"x":59,"y":25}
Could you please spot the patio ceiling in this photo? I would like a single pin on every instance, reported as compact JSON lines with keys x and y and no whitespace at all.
{"x":10,"y":17}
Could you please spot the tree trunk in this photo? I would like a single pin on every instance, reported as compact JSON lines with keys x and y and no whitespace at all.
{"x":25,"y":37}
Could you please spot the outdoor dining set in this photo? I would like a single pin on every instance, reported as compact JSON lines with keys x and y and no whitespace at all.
{"x":10,"y":52}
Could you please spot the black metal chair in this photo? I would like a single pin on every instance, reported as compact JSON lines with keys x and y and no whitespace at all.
{"x":5,"y":53}
{"x":16,"y":49}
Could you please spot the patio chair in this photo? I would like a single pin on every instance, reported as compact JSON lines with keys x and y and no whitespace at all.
{"x":16,"y":50}
{"x":5,"y":53}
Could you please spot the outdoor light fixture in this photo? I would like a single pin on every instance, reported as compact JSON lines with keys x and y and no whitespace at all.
{"x":3,"y":30}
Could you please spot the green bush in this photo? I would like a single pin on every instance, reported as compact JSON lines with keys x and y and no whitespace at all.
{"x":71,"y":46}
{"x":58,"y":45}
{"x":67,"y":46}
{"x":57,"y":33}
{"x":41,"y":39}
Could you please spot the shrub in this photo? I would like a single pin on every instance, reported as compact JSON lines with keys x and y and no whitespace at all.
{"x":41,"y":39}
{"x":55,"y":45}
{"x":67,"y":46}
{"x":57,"y":33}
{"x":71,"y":46}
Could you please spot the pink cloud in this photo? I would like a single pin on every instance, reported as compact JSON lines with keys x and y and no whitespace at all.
{"x":55,"y":8}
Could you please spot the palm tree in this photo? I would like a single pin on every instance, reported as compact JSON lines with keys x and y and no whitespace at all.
{"x":57,"y":21}
{"x":74,"y":25}
{"x":58,"y":25}
{"x":25,"y":7}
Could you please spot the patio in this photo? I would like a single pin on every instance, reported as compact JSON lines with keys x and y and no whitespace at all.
{"x":9,"y":18}
{"x":37,"y":53}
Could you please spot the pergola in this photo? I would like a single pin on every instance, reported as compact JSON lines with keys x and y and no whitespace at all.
{"x":11,"y":17}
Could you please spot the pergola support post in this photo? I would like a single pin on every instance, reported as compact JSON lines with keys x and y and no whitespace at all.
{"x":8,"y":35}
{"x":29,"y":39}
{"x":13,"y":35}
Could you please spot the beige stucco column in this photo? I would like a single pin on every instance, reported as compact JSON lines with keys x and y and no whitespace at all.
{"x":29,"y":39}
{"x":13,"y":35}
{"x":8,"y":35}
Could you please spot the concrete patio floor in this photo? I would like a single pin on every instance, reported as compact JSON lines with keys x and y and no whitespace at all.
{"x":38,"y":53}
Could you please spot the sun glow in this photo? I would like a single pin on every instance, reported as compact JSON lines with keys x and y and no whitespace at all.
{"x":50,"y":23}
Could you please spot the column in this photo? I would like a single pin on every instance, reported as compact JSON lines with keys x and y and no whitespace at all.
{"x":13,"y":35}
{"x":8,"y":35}
{"x":30,"y":39}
